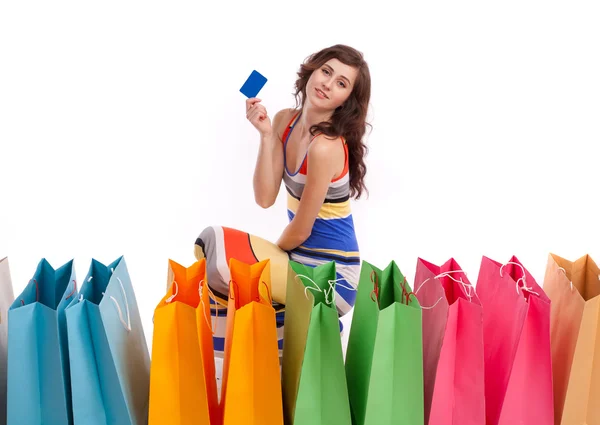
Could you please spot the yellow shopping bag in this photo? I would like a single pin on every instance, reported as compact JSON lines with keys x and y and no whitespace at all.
{"x":182,"y":375}
{"x":251,"y":385}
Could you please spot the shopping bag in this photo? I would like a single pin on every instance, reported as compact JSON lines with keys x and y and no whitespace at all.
{"x":516,"y":337}
{"x":313,"y":377}
{"x":183,"y":388}
{"x":384,"y":360}
{"x":110,"y":362}
{"x":251,"y":385}
{"x":7,"y":297}
{"x":39,"y":387}
{"x":574,"y":289}
{"x":453,"y":359}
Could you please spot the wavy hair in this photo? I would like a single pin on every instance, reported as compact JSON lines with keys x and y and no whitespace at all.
{"x":348,"y":120}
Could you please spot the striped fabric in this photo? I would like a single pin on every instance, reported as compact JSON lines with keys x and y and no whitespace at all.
{"x":333,"y":236}
{"x":218,"y":245}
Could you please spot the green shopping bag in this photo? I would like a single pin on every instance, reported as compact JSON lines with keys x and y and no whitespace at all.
{"x":384,"y":360}
{"x":314,"y":382}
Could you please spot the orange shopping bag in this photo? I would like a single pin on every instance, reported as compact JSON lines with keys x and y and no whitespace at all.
{"x":574,"y":288}
{"x":251,"y":385}
{"x":183,"y":388}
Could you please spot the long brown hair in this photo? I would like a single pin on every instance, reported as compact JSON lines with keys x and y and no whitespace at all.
{"x":348,"y":120}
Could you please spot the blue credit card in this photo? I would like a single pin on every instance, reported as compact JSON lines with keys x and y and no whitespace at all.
{"x":253,"y":84}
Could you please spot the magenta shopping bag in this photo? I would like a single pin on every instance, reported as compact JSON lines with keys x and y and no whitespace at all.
{"x":453,"y":366}
{"x":516,"y":336}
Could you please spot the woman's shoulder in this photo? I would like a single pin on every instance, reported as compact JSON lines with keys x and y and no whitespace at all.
{"x":284,"y":116}
{"x":282,"y":120}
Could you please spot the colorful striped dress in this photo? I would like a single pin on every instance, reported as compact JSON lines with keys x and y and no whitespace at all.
{"x":332,"y":239}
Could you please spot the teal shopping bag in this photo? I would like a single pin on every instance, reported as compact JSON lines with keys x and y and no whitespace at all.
{"x":314,"y":382}
{"x":110,"y":362}
{"x":39,"y":387}
{"x":384,"y":359}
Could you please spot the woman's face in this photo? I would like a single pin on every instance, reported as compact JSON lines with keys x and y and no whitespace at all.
{"x":330,"y":85}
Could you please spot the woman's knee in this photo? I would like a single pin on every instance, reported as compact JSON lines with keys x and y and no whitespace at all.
{"x":205,"y":243}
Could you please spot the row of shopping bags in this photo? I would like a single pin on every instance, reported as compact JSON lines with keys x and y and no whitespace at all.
{"x":506,"y":351}
{"x":307,"y":387}
{"x":442,"y":353}
{"x":72,"y":356}
{"x":503,"y":352}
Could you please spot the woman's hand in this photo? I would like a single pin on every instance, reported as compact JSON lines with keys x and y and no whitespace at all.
{"x":257,"y":115}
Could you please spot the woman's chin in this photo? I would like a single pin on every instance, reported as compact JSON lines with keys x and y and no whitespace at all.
{"x":319,"y":104}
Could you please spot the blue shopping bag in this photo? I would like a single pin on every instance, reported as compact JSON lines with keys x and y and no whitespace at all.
{"x":39,"y":387}
{"x":110,"y":361}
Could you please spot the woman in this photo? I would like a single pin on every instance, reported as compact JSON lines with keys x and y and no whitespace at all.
{"x":318,"y":152}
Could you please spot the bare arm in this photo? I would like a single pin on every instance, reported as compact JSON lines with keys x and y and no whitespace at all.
{"x":268,"y":172}
{"x":323,"y":155}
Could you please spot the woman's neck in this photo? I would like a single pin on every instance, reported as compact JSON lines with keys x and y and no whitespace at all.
{"x":311,"y":116}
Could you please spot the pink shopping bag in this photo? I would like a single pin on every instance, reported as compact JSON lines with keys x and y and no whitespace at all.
{"x":516,"y":336}
{"x":453,"y":365}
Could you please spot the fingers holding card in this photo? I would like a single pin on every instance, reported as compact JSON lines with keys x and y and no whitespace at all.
{"x":251,"y":103}
{"x":255,"y":112}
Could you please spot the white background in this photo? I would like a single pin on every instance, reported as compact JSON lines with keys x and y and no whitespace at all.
{"x":122,"y":130}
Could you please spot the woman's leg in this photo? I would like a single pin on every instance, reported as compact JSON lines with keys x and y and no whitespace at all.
{"x":218,"y":245}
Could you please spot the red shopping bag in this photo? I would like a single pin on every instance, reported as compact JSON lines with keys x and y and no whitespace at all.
{"x":453,"y":366}
{"x":516,"y":336}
